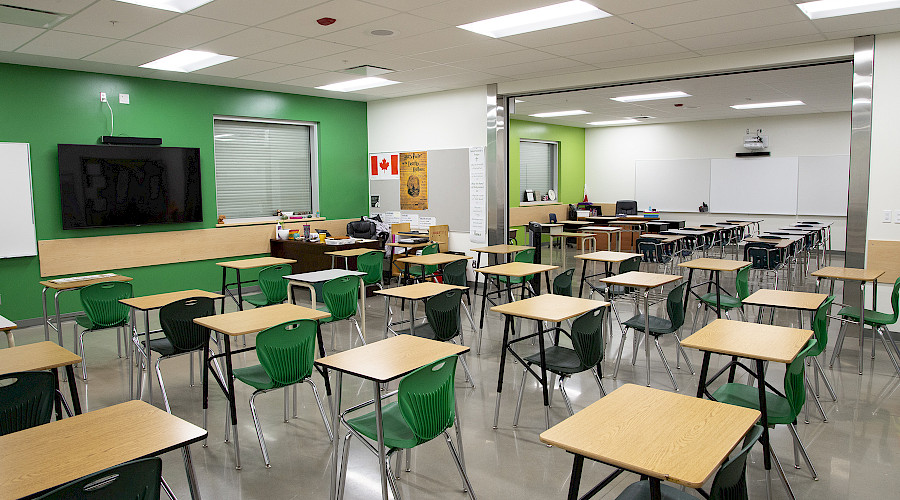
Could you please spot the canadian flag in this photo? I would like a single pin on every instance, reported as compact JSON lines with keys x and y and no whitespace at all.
{"x":384,"y":166}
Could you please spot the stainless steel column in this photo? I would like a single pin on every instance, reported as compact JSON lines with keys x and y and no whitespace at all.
{"x":495,"y":155}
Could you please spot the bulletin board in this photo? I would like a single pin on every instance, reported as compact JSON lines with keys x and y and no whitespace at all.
{"x":17,"y":224}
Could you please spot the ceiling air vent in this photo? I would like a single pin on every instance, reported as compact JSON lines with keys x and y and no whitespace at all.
{"x":366,"y":70}
{"x":35,"y":18}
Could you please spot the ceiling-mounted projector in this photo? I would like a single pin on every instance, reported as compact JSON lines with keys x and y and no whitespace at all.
{"x":756,"y":141}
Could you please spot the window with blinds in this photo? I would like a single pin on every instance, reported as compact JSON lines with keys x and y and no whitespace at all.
{"x":537,"y":167}
{"x":262,"y":167}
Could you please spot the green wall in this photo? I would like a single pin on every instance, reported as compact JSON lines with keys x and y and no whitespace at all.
{"x":46,"y":107}
{"x":571,"y":157}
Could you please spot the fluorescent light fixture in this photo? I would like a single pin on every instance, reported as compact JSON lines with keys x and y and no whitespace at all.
{"x":519,"y":100}
{"x":187,"y":61}
{"x":541,"y":18}
{"x":650,"y":97}
{"x":779,"y":104}
{"x":623,"y":121}
{"x":553,"y":114}
{"x":833,"y":8}
{"x":171,"y":5}
{"x":358,"y":84}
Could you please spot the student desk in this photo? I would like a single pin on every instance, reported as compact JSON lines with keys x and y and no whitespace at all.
{"x":547,"y":307}
{"x":310,"y":280}
{"x":715,"y":266}
{"x":347,"y":255}
{"x":754,"y":341}
{"x":785,"y":243}
{"x":747,"y":222}
{"x":604,"y":256}
{"x":237,"y":265}
{"x":646,"y":281}
{"x":47,"y":456}
{"x":407,"y":247}
{"x":510,"y":270}
{"x":382,"y":362}
{"x":861,"y":276}
{"x":823,"y":228}
{"x":496,"y":251}
{"x":414,"y":293}
{"x":43,"y":356}
{"x":67,"y":285}
{"x":146,"y":304}
{"x":7,"y":326}
{"x":655,"y":433}
{"x":435,"y":259}
{"x":239,"y":323}
{"x":697,"y":234}
{"x":608,"y":231}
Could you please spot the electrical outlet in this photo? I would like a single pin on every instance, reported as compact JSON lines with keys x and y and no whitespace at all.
{"x":102,"y":96}
{"x":885,"y":216}
{"x":123,"y":99}
{"x":897,"y":216}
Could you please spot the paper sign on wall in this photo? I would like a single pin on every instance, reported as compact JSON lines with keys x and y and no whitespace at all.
{"x":384,"y":166}
{"x":412,"y":219}
{"x":391,"y":217}
{"x":426,"y":222}
{"x":414,"y":181}
{"x":478,"y":195}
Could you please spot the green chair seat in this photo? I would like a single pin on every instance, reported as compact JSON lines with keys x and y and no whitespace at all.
{"x":257,"y":300}
{"x":515,"y":280}
{"x":86,"y":323}
{"x":323,"y":308}
{"x":873,"y":318}
{"x":397,"y":434}
{"x":726,"y":301}
{"x":560,"y":360}
{"x":658,"y":326}
{"x":777,"y":407}
{"x":255,"y":376}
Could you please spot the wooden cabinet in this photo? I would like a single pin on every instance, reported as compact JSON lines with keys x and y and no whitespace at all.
{"x":311,"y":256}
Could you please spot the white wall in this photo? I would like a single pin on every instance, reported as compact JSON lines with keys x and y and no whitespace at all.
{"x":610,"y":153}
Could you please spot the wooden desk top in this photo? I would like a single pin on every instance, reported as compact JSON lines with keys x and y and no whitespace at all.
{"x":49,"y":455}
{"x":516,"y":269}
{"x":549,"y":307}
{"x":715,"y":264}
{"x":749,"y":340}
{"x":848,"y":274}
{"x":418,"y":291}
{"x":626,"y":222}
{"x":569,"y":234}
{"x":662,"y":434}
{"x":254,"y":320}
{"x":407,"y":245}
{"x":746,"y":221}
{"x":255,"y":262}
{"x":82,"y":283}
{"x":353,"y":252}
{"x":641,"y":280}
{"x":323,"y":275}
{"x":736,"y":223}
{"x":697,"y":231}
{"x":664,"y":238}
{"x":780,"y":242}
{"x":433,"y":259}
{"x":602,"y":218}
{"x":601,"y":229}
{"x":148,"y":302}
{"x":575,"y":222}
{"x":390,"y":358}
{"x":33,"y":357}
{"x":6,"y":325}
{"x":607,"y":256}
{"x":501,"y":249}
{"x":783,"y":298}
{"x":799,"y":229}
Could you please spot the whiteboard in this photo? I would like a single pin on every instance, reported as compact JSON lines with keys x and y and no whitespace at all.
{"x":754,"y":185}
{"x":824,"y":182}
{"x":17,"y":237}
{"x":672,"y":185}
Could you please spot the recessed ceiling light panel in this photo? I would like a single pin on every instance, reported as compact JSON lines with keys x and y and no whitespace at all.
{"x":624,"y":121}
{"x":358,"y":84}
{"x":834,"y":8}
{"x":187,"y":61}
{"x":651,"y":97}
{"x":779,"y":104}
{"x":170,"y":5}
{"x":553,"y":114}
{"x":541,"y":18}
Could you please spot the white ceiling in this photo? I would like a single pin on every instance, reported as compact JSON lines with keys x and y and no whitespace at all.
{"x":280,"y":46}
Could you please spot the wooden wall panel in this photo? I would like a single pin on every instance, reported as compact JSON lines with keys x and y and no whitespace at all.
{"x":520,"y":216}
{"x":884,"y":255}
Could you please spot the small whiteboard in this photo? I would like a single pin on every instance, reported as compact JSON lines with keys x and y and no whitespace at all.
{"x":17,"y":223}
{"x":671,"y":185}
{"x":824,"y":184}
{"x":754,"y":186}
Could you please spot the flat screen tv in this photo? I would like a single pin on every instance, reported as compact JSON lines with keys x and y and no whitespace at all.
{"x":103,"y":185}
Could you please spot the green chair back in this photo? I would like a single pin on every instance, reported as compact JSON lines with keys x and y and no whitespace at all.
{"x":340,"y":296}
{"x":136,"y":480}
{"x":526,"y":256}
{"x":102,"y":306}
{"x":26,"y":400}
{"x":455,"y":273}
{"x":442,"y":311}
{"x":371,"y":263}
{"x":432,"y":248}
{"x":730,"y":482}
{"x":895,"y":297}
{"x":794,"y":386}
{"x":177,"y":322}
{"x":820,"y":326}
{"x":675,"y":306}
{"x":587,"y":338}
{"x":272,"y":284}
{"x":426,"y":398}
{"x":628,"y":265}
{"x":562,"y":283}
{"x":286,"y":351}
{"x":742,"y":282}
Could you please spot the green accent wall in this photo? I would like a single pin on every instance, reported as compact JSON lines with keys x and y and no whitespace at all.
{"x":571,"y":157}
{"x":45,"y":107}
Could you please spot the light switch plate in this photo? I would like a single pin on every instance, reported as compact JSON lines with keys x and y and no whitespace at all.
{"x":886,"y":216}
{"x":897,"y":216}
{"x":123,"y":99}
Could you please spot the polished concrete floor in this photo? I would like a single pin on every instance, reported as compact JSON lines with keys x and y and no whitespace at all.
{"x":856,"y":453}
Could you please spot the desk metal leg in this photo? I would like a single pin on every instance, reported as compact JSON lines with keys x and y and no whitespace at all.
{"x":862,"y":323}
{"x":382,"y":464}
{"x":387,"y":315}
{"x":583,"y":274}
{"x":540,"y":325}
{"x":189,"y":469}
{"x":335,"y":425}
{"x":46,"y":319}
{"x":362,"y":306}
{"x":718,"y":296}
{"x":412,"y":317}
{"x":73,"y":390}
{"x":687,"y":289}
{"x":575,"y":481}
{"x":59,"y":325}
{"x":506,"y":326}
{"x":483,"y":306}
{"x":229,"y":382}
{"x":647,"y":332}
{"x":225,"y":287}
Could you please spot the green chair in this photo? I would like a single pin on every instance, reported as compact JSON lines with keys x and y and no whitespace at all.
{"x":26,"y":400}
{"x":372,"y":263}
{"x":586,"y":354}
{"x":726,"y":301}
{"x":878,"y":321}
{"x":341,"y":301}
{"x":421,"y":273}
{"x":730,"y":482}
{"x":820,"y":329}
{"x":135,"y":480}
{"x":272,"y":284}
{"x":286,"y":353}
{"x":780,"y":408}
{"x":455,"y":274}
{"x":102,"y":310}
{"x":658,"y":327}
{"x":526,"y":256}
{"x":562,"y":283}
{"x":425,"y":408}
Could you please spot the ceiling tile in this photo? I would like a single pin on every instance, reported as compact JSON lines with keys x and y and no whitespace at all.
{"x":780,"y":42}
{"x":440,"y":39}
{"x":573,"y":32}
{"x":456,"y":12}
{"x":696,"y":10}
{"x":469,"y":51}
{"x":59,"y":6}
{"x":404,"y":5}
{"x":623,"y":40}
{"x":555,"y":63}
{"x":248,"y":41}
{"x":737,"y":22}
{"x":403,"y":25}
{"x":872,"y":30}
{"x":186,"y":31}
{"x":238,"y":67}
{"x":13,"y":36}
{"x":436,"y":71}
{"x":348,"y":13}
{"x":755,"y":35}
{"x":320,"y":80}
{"x":67,"y":45}
{"x":360,"y":57}
{"x":628,"y":53}
{"x":505,"y":59}
{"x":303,"y":50}
{"x":858,"y":20}
{"x":112,"y":19}
{"x":281,"y":74}
{"x":129,"y":53}
{"x":253,"y":12}
{"x":624,"y":6}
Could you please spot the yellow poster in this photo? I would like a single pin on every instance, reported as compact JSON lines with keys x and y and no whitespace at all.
{"x":414,"y":181}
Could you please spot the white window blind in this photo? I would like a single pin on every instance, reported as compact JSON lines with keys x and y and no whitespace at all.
{"x":262,"y":167}
{"x":537,"y":167}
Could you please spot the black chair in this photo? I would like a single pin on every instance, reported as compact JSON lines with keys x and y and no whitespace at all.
{"x":26,"y":400}
{"x":626,"y":207}
{"x":361,"y":229}
{"x":764,"y":257}
{"x":138,"y":480}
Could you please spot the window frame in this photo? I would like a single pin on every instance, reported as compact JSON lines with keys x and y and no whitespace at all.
{"x":554,"y":168}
